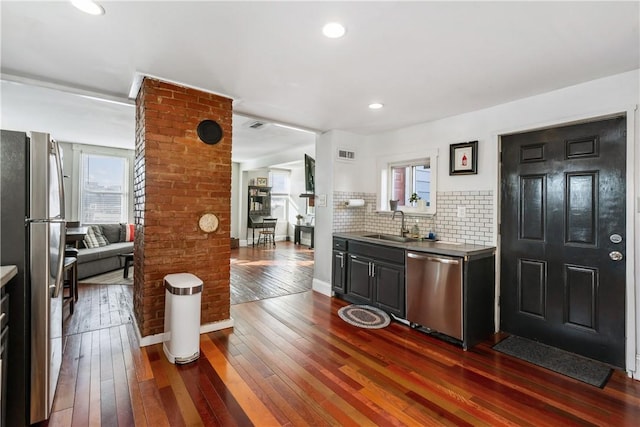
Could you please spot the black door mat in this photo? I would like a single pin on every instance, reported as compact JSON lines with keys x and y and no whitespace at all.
{"x":565,"y":363}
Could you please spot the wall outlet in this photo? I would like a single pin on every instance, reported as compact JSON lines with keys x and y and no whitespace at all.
{"x":462,"y":212}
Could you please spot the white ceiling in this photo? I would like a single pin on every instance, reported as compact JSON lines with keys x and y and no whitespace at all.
{"x":423,"y":60}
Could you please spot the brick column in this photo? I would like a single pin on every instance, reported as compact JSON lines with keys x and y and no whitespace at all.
{"x":178,"y":178}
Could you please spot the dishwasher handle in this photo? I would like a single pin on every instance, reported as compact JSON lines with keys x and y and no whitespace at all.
{"x":432,"y":258}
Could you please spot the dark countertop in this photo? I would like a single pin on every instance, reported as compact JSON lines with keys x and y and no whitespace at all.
{"x":429,"y":246}
{"x":7,"y":272}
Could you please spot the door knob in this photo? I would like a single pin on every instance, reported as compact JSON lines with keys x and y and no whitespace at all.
{"x":615,"y":255}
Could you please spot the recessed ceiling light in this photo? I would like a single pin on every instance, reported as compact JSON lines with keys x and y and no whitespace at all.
{"x":88,"y":6}
{"x":376,"y":106}
{"x":334,"y":30}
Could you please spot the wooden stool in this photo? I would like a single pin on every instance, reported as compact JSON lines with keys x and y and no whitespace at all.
{"x":70,"y":281}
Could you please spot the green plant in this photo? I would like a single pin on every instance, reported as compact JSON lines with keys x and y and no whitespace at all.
{"x":299,"y":216}
{"x":414,"y":197}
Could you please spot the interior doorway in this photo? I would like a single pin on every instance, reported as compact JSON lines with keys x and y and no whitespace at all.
{"x":563,"y":228}
{"x":259,"y":273}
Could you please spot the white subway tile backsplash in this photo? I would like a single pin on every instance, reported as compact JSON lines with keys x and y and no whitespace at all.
{"x":475,"y":228}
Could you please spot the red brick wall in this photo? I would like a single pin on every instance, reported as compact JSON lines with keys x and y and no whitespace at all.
{"x":178,"y":178}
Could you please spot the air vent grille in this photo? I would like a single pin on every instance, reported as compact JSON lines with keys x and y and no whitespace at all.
{"x":256,"y":125}
{"x":344,"y":154}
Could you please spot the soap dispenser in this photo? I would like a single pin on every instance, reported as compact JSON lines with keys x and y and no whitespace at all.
{"x":415,"y":230}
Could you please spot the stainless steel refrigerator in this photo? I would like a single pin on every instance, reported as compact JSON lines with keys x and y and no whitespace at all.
{"x":32,"y":235}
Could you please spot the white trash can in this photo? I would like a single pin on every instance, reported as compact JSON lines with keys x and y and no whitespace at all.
{"x":182,"y":317}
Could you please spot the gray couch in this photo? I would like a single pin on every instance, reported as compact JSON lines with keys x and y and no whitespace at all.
{"x":93,"y":261}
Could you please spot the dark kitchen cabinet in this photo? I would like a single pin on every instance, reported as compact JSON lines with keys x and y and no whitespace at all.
{"x":381,"y":276}
{"x":375,"y":276}
{"x":339,"y":267}
{"x":390,"y":288}
{"x":359,"y":280}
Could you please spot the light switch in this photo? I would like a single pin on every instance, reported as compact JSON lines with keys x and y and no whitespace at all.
{"x":462,"y":211}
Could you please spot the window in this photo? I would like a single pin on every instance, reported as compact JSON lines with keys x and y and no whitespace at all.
{"x":279,"y":182}
{"x":280,"y":187}
{"x":408,"y":179}
{"x":103,"y":189}
{"x":401,"y":175}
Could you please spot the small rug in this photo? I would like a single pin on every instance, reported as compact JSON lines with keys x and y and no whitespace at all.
{"x":560,"y":361}
{"x":364,"y":316}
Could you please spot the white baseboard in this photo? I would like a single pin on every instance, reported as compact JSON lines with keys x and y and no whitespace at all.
{"x":322,"y":287}
{"x":635,"y":374}
{"x":158,"y":338}
{"x":217,"y":326}
{"x":151,"y":340}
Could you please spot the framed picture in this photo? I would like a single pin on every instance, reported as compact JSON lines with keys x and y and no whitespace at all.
{"x":463,"y":158}
{"x":261,"y":181}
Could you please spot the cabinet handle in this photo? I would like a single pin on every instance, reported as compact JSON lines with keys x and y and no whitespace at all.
{"x":373,"y":269}
{"x":341,"y":260}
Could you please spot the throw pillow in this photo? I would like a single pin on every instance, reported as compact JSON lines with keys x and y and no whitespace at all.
{"x":111,"y":232}
{"x":127,"y":232}
{"x":94,"y":237}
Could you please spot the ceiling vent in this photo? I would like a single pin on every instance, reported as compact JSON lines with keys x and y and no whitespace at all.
{"x":344,"y":154}
{"x":256,"y":124}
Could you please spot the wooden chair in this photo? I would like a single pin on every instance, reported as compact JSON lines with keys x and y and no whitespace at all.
{"x":268,"y":231}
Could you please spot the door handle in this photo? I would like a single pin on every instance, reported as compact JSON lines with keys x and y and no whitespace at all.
{"x":615,"y":255}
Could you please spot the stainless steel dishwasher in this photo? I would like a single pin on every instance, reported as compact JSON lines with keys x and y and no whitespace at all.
{"x":434,"y":292}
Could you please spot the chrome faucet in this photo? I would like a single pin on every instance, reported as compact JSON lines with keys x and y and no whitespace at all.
{"x":403,"y":230}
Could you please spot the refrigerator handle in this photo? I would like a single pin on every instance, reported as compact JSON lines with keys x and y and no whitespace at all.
{"x":55,"y":148}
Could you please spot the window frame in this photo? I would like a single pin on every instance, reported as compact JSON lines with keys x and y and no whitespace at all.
{"x":384,"y":165}
{"x":124,"y":194}
{"x":410,"y":184}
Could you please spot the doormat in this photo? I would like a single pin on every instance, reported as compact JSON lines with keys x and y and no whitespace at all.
{"x":364,"y":316}
{"x":560,"y":361}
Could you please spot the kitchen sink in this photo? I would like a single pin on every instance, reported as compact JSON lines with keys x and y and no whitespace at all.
{"x":391,"y":237}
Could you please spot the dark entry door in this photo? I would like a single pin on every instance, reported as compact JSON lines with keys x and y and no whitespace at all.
{"x":562,"y":238}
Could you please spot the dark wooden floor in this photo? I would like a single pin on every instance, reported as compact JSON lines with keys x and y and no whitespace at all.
{"x":291,"y":360}
{"x":268,"y":271}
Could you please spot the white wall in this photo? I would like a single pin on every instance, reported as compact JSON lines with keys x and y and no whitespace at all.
{"x":235,"y":201}
{"x":591,"y":99}
{"x":298,"y":204}
{"x":618,"y":93}
{"x":348,"y":174}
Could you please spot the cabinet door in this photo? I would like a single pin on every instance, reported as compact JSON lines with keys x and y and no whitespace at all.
{"x":359,"y":281}
{"x":338,"y":277}
{"x":389,"y":288}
